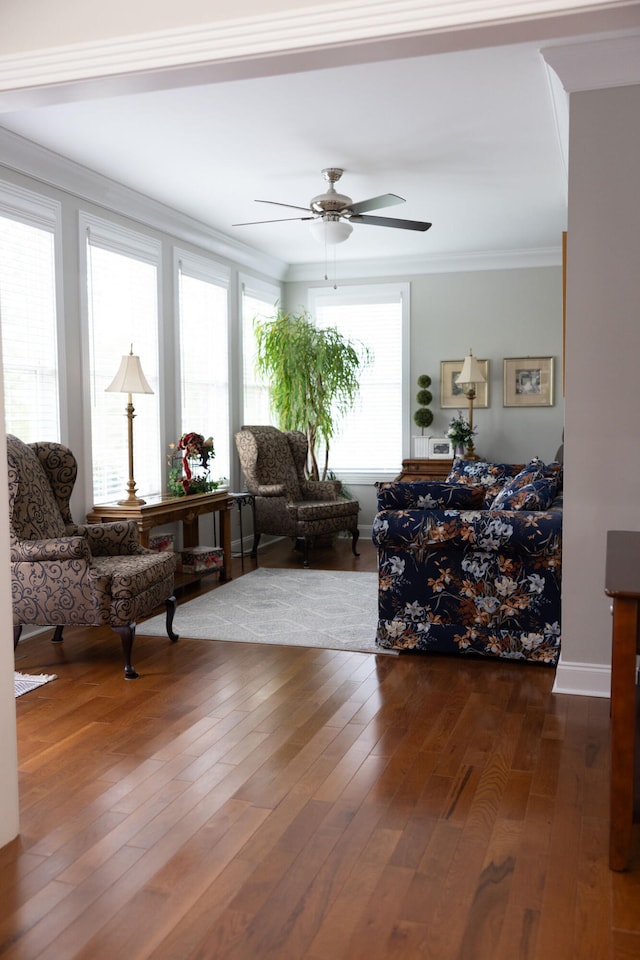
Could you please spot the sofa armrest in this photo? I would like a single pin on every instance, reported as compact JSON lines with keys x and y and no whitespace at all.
{"x":417,"y":531}
{"x":429,"y":495}
{"x":57,"y":548}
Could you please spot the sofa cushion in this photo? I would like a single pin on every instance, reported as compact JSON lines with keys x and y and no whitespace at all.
{"x":492,"y":476}
{"x":429,"y":495}
{"x":537,"y":495}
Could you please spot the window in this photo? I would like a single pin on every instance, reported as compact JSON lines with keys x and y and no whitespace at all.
{"x":28,"y":226}
{"x":369,"y":441}
{"x":258,"y":301}
{"x":122,"y":314}
{"x":204,"y":354}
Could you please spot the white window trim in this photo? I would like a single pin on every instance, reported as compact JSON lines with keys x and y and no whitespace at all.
{"x":251,"y":286}
{"x":40,"y":211}
{"x":359,"y":293}
{"x":210,"y":271}
{"x":141,"y":246}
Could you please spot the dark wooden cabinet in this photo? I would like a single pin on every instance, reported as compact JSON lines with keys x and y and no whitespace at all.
{"x":425,"y":470}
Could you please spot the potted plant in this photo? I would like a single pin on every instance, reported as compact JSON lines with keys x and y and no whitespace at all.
{"x":423,"y":417}
{"x":461,"y":434}
{"x":313,"y":377}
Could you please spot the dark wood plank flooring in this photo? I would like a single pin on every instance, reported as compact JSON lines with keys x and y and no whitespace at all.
{"x":241,"y":801}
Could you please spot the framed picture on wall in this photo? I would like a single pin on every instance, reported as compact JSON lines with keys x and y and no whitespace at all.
{"x":451,"y":393}
{"x":528,"y":382}
{"x":440,"y":448}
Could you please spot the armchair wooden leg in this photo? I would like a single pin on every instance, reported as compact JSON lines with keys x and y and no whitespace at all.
{"x":305,"y":552}
{"x":57,"y":635}
{"x":354,"y":540}
{"x":17,"y":630}
{"x":171,"y":609}
{"x":127,"y":636}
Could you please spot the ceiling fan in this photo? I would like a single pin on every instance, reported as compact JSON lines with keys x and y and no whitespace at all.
{"x":332,"y":214}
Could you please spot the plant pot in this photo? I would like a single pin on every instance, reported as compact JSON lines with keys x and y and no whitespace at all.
{"x":421,"y":448}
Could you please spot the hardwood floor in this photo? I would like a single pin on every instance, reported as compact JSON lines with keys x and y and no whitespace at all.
{"x":242,"y":801}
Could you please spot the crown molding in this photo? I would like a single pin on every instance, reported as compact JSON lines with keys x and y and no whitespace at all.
{"x":596,"y":64}
{"x":29,"y":159}
{"x":383,"y":268}
{"x":324,"y":25}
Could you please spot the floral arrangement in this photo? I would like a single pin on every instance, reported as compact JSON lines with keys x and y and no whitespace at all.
{"x":191,"y":473}
{"x":460,"y":431}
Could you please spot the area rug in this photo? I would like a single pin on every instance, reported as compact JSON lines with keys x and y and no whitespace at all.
{"x":304,"y":608}
{"x":24,"y":682}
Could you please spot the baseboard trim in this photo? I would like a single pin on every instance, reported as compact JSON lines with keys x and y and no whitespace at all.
{"x":583,"y":679}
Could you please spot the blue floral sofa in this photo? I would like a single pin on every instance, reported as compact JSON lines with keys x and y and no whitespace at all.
{"x":472,"y":565}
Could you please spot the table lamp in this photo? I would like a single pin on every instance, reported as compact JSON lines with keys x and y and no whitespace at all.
{"x":469,"y":376}
{"x":130,"y":379}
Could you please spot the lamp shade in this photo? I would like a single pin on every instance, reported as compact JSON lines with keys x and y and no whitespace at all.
{"x":129,"y":378}
{"x":330,"y":231}
{"x":471,"y":371}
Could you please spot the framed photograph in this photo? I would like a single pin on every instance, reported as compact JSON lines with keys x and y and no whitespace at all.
{"x":451,"y":393}
{"x":440,"y":448}
{"x":528,"y":382}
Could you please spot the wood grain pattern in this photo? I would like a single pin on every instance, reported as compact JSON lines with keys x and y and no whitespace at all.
{"x":241,"y":801}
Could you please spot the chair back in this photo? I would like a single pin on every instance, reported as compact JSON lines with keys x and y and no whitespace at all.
{"x":34,"y":512}
{"x":267,"y":459}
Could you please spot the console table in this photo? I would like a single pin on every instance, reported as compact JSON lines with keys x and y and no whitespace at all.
{"x":163,"y":509}
{"x":422,"y":469}
{"x":622,"y":583}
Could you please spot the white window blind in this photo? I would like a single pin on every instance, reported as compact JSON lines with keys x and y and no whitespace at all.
{"x":258,"y":302}
{"x":370,"y":439}
{"x":122,"y":307}
{"x":204,"y":356}
{"x":28,"y":315}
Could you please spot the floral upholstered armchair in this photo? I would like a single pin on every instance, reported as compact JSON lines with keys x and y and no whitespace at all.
{"x":64,"y":573}
{"x":472,"y":567}
{"x":286,"y":503}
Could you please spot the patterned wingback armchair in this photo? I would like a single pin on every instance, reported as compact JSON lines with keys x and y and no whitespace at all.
{"x":63,"y":573}
{"x":286,"y":503}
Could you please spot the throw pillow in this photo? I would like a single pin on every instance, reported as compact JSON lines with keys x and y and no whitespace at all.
{"x":491,"y":476}
{"x":537,"y":495}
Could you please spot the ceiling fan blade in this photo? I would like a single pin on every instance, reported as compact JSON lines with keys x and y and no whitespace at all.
{"x":376,"y":203}
{"x":293,"y":206}
{"x":251,"y":223}
{"x":392,"y":222}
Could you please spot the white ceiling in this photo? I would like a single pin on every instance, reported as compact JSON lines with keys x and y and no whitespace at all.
{"x":473,"y":140}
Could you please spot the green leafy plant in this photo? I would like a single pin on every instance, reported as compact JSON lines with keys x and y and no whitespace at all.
{"x":460,"y":432}
{"x":313,"y":377}
{"x":423,"y":417}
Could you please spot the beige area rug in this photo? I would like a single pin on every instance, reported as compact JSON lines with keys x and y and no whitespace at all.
{"x":24,"y":682}
{"x":304,"y":608}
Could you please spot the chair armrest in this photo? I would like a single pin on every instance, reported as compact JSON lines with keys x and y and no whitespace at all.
{"x":58,"y":548}
{"x":320,"y":489}
{"x":271,"y":490}
{"x":116,"y":538}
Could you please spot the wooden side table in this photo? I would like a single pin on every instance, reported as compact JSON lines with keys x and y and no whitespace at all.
{"x":160,"y":509}
{"x":622,"y":583}
{"x":419,"y":469}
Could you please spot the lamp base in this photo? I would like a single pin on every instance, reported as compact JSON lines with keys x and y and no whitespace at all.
{"x":131,"y":502}
{"x":470,"y":453}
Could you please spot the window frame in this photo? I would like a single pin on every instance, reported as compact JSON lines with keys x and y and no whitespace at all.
{"x":361,"y":294}
{"x":42,"y":212}
{"x":209,"y":271}
{"x":132,"y":243}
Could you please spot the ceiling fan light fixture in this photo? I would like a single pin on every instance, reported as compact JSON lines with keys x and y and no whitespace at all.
{"x":330,"y":232}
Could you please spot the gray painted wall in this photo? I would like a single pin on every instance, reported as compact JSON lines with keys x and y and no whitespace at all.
{"x":497,"y":313}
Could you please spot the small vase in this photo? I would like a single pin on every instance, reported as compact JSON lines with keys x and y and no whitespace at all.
{"x":459,"y":451}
